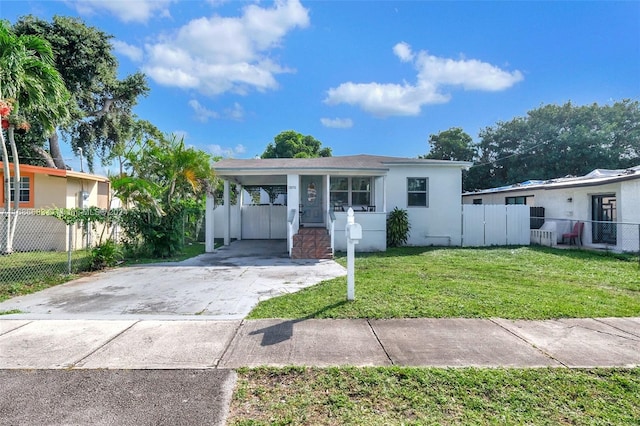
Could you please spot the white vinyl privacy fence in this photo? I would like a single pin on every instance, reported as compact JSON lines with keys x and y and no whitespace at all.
{"x":495,"y":225}
{"x":252,"y":222}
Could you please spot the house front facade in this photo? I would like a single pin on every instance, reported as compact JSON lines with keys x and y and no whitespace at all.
{"x":46,"y":188}
{"x":316,"y":193}
{"x":606,"y":201}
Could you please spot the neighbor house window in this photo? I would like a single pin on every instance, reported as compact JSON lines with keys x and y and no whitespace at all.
{"x":515,"y":200}
{"x":477,"y":201}
{"x":418,"y":192}
{"x":25,"y":191}
{"x":350,"y":191}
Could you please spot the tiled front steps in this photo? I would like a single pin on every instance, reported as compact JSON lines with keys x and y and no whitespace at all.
{"x":311,"y":243}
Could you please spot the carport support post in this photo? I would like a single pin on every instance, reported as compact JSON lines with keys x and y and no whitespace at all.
{"x":227,"y":214}
{"x":209,"y":225}
{"x":351,"y":281}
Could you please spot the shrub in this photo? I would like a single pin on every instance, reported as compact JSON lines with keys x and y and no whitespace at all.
{"x":397,"y":227}
{"x":105,"y":254}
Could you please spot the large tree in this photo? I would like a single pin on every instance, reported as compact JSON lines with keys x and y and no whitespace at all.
{"x":557,"y":140}
{"x":31,"y":90}
{"x":291,"y":144}
{"x":101,"y":104}
{"x":453,"y":144}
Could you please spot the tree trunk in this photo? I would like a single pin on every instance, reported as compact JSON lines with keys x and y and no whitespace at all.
{"x":54,"y":149}
{"x":16,"y":186}
{"x":6,"y":225}
{"x":45,"y":156}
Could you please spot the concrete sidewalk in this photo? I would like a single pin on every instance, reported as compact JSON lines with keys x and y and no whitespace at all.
{"x":205,"y":344}
{"x":180,"y":372}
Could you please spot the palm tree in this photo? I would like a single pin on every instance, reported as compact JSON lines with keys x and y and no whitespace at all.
{"x":30,"y":87}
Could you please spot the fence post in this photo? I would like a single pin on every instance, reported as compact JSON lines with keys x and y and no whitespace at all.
{"x":70,"y":228}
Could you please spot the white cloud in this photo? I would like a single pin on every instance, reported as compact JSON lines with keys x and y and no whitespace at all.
{"x":220,"y":54}
{"x":236,"y":112}
{"x":124,"y":10}
{"x":221,"y":151}
{"x":403,"y":51}
{"x":132,"y":52}
{"x":433,"y":74}
{"x":203,"y":114}
{"x":338,"y":123}
{"x":385,"y":99}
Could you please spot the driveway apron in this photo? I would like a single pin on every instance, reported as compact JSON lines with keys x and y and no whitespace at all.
{"x":226,"y":284}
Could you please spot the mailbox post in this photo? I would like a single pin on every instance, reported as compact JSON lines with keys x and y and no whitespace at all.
{"x":353,"y":232}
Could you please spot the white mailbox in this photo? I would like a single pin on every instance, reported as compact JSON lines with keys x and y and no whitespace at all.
{"x":354,"y":232}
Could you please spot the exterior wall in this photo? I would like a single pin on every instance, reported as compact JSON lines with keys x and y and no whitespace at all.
{"x":374,"y":231}
{"x":629,"y":204}
{"x":438,"y":224}
{"x":49,"y":191}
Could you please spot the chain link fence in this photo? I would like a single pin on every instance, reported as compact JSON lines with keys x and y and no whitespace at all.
{"x":618,"y":237}
{"x":43,"y":248}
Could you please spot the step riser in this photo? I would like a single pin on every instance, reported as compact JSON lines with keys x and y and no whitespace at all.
{"x":311,"y":243}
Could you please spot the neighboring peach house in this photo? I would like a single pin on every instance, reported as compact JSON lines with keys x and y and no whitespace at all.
{"x":44,"y":188}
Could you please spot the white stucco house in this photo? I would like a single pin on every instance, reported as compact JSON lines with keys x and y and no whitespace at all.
{"x":606,"y":201}
{"x":311,"y":195}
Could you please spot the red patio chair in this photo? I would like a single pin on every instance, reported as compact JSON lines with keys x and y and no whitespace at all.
{"x":575,"y":235}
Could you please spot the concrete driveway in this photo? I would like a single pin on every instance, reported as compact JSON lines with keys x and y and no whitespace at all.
{"x":226,"y":284}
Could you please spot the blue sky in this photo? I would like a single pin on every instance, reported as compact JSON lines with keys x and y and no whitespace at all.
{"x":370,"y":77}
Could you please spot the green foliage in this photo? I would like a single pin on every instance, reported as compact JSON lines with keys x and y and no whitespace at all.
{"x":554,"y":141}
{"x":291,"y":144}
{"x":165,"y":184}
{"x":398,"y":227}
{"x":101,"y":103}
{"x":453,"y":144}
{"x":105,"y":255}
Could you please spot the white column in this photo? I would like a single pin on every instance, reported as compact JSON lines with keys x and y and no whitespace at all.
{"x":209,"y":222}
{"x":293,"y":199}
{"x":239,"y":206}
{"x":227,"y":214}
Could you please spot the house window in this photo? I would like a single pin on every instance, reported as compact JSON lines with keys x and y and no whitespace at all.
{"x":350,"y":191}
{"x":477,"y":201}
{"x":418,"y":192}
{"x":515,"y":200}
{"x":25,"y":190}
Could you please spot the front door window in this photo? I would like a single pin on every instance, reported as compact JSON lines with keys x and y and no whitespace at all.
{"x":311,"y":202}
{"x":604,"y":213}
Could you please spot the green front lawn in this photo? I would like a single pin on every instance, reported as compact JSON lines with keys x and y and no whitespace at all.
{"x":514,"y":283}
{"x":417,"y":396}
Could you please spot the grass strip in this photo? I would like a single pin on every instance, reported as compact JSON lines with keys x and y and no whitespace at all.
{"x":419,"y":396}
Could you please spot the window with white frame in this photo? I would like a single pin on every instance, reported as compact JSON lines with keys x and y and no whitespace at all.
{"x":24,"y":189}
{"x":418,"y":192}
{"x":350,"y":191}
